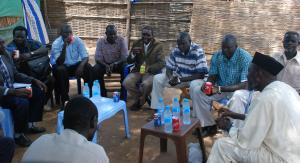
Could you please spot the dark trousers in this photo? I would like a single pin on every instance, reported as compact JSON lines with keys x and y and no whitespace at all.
{"x":7,"y":149}
{"x":100,"y":71}
{"x":62,"y":74}
{"x":25,"y":110}
{"x":50,"y":86}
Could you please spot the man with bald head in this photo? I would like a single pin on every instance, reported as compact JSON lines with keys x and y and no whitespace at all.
{"x":110,"y":56}
{"x":228,"y":72}
{"x":186,"y":62}
{"x":289,"y":57}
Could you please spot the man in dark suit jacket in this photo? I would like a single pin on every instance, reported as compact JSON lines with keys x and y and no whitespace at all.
{"x":26,"y":105}
{"x":147,"y":55}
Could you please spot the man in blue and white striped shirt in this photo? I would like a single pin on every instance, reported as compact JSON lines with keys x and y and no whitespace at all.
{"x":186,"y":62}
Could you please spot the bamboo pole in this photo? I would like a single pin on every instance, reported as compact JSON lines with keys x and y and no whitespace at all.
{"x":128,"y":25}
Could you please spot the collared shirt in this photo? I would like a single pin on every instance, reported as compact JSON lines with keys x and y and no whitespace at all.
{"x":272,"y":122}
{"x":187,"y":64}
{"x":30,"y":45}
{"x":146,"y":46}
{"x":110,"y":53}
{"x":290,"y":74}
{"x":230,"y":71}
{"x":67,"y":147}
{"x":75,"y":51}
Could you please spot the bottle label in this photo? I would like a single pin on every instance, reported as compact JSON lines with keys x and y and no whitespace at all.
{"x":168,"y":120}
{"x":142,"y":69}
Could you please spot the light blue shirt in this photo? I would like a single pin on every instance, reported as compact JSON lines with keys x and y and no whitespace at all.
{"x":230,"y":71}
{"x":75,"y":51}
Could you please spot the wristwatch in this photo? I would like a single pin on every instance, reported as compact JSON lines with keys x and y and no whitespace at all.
{"x":219,"y":90}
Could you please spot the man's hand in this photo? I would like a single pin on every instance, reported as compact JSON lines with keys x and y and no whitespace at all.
{"x":112,"y":66}
{"x":214,"y":89}
{"x":224,"y":123}
{"x":225,"y":112}
{"x":174,"y":81}
{"x":22,"y":92}
{"x":137,"y":51}
{"x":40,"y":84}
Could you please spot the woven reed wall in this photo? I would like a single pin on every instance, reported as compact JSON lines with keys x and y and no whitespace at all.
{"x":258,"y":24}
{"x":167,"y":19}
{"x":89,"y":18}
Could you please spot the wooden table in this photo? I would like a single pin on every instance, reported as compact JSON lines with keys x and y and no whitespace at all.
{"x":178,"y":138}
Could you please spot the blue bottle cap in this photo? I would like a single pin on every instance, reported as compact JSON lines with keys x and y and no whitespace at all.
{"x":160,"y":99}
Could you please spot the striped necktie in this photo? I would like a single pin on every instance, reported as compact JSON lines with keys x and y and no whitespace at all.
{"x":5,"y":74}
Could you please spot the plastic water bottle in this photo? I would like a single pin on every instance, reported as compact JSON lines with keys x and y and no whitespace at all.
{"x":186,"y":112}
{"x":161,"y":109}
{"x":176,"y":108}
{"x":168,"y":120}
{"x":96,"y":89}
{"x":86,"y":90}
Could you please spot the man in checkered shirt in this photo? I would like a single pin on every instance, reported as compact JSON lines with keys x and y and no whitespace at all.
{"x":186,"y":62}
{"x":228,"y":72}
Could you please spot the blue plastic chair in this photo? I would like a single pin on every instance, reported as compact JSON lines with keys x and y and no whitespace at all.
{"x":106,"y":109}
{"x":7,"y":123}
{"x":126,"y":71}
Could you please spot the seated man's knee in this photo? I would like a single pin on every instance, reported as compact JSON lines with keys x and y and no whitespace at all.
{"x":159,"y":78}
{"x":127,"y":83}
{"x":241,"y":95}
{"x":148,"y":84}
{"x":60,"y":68}
{"x":196,"y":83}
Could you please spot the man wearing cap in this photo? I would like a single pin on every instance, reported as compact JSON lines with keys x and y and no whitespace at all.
{"x":289,"y":58}
{"x":271,"y":132}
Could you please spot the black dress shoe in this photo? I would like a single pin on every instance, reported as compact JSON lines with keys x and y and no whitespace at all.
{"x":23,"y":141}
{"x":209,"y":131}
{"x":36,"y":130}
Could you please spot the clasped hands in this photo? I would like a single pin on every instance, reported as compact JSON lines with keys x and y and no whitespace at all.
{"x":174,"y":80}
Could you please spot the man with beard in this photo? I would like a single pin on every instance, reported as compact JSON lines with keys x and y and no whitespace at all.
{"x":147,"y":55}
{"x":74,"y":143}
{"x":271,"y":132}
{"x":110,"y":56}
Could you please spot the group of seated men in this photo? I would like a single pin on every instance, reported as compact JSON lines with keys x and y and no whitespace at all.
{"x":232,"y":71}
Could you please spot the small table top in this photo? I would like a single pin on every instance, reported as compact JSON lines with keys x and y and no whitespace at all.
{"x":184,"y":129}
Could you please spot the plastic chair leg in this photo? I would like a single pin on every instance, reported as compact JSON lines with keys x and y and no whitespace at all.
{"x":7,"y":123}
{"x":125,"y":118}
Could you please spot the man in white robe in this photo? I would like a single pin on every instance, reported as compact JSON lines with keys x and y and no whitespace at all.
{"x":289,"y":58}
{"x":271,"y":132}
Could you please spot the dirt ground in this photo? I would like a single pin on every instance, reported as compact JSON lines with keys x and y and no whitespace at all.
{"x":112,"y":136}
